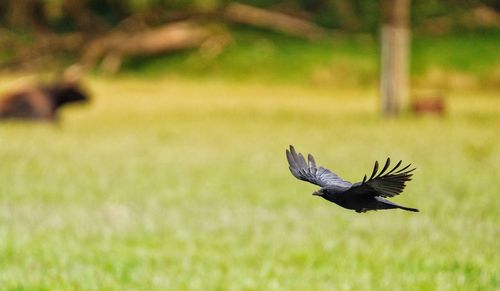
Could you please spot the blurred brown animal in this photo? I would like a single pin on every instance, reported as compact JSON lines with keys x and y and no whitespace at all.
{"x":40,"y":102}
{"x":433,"y":105}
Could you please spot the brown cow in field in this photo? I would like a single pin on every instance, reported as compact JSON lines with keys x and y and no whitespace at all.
{"x":40,"y":102}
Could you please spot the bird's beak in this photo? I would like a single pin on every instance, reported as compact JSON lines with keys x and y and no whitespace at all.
{"x":317,"y":193}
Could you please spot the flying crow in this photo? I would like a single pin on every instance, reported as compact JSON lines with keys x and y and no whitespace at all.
{"x":363,"y":196}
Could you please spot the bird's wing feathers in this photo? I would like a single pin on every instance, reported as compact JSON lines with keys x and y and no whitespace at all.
{"x":310,"y":172}
{"x":389,"y":184}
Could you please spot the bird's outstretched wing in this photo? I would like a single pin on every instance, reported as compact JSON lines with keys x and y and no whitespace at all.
{"x":308,"y":171}
{"x":389,"y":184}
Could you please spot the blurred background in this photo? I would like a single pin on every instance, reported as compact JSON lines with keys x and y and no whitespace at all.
{"x":327,"y":43}
{"x":172,"y":172}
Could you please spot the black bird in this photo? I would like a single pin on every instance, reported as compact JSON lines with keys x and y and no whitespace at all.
{"x":362,"y":196}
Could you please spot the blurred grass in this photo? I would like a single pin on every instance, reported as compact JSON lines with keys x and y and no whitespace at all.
{"x":183,"y":185}
{"x":344,"y":61}
{"x":474,"y":53}
{"x":262,"y":56}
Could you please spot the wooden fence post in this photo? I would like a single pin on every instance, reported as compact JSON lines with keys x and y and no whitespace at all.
{"x":394,"y":89}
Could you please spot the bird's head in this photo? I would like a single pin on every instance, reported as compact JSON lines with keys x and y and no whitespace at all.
{"x":320,"y":192}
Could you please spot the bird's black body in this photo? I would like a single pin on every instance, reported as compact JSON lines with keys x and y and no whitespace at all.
{"x":360,"y":197}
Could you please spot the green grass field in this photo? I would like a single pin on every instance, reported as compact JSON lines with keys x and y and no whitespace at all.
{"x":183,"y":185}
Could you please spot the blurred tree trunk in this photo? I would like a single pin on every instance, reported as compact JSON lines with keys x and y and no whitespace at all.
{"x":110,"y":49}
{"x":277,"y":21}
{"x":394,"y":55}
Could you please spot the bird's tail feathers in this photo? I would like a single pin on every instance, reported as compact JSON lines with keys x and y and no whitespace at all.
{"x":408,"y":208}
{"x":388,"y":205}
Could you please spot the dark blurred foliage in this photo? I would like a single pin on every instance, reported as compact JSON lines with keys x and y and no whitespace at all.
{"x":352,"y":16}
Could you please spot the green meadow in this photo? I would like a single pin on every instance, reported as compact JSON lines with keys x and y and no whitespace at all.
{"x":176,"y":184}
